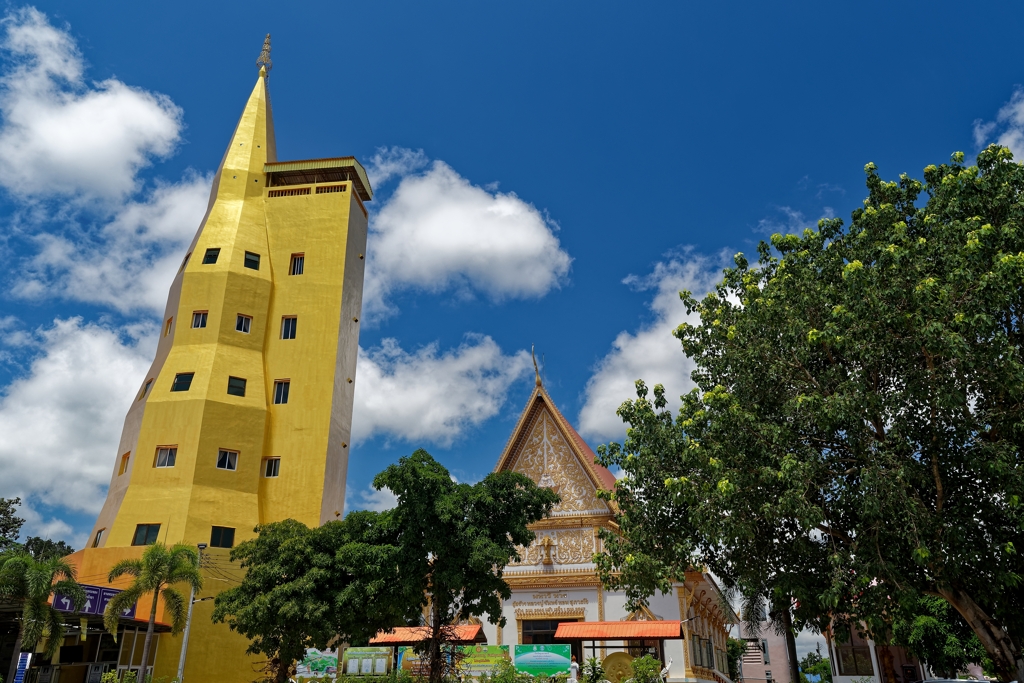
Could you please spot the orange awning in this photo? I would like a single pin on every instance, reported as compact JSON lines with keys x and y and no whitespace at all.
{"x":465,"y":634}
{"x":619,"y":630}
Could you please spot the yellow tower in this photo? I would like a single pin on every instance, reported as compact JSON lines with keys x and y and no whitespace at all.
{"x":245,"y":415}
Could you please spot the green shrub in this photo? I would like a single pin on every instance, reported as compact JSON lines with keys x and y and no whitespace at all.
{"x":592,"y":671}
{"x":646,"y":669}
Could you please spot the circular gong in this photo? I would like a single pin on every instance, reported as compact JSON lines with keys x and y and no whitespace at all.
{"x":617,"y":667}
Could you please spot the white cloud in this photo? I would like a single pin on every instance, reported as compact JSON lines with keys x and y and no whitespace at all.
{"x":129,"y":264}
{"x":371,"y":499}
{"x":63,"y":136}
{"x":439,"y":232}
{"x":431,"y":396}
{"x":652,"y":353}
{"x":61,"y":422}
{"x":1008,"y":127}
{"x":389,"y":162}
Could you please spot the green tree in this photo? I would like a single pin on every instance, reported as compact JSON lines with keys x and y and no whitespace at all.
{"x":304,"y":587}
{"x":455,"y":540}
{"x":155,"y":575}
{"x":10,"y":523}
{"x":938,"y":636}
{"x":42,"y":548}
{"x":32,"y":582}
{"x":858,"y":415}
{"x":734,"y":649}
{"x":814,"y":664}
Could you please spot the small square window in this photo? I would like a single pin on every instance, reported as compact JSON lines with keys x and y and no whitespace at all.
{"x":298,"y":262}
{"x":236,"y":386}
{"x":281,"y":387}
{"x":273,"y":467}
{"x":227,"y":460}
{"x":222,"y":537}
{"x":182,"y":381}
{"x":124,"y":463}
{"x":165,"y":457}
{"x":243,"y":323}
{"x":167,"y":326}
{"x":145,"y":389}
{"x":211,"y":256}
{"x":185,"y":262}
{"x":288,"y":325}
{"x":199,"y":319}
{"x":97,"y":538}
{"x":252,"y":260}
{"x":146,"y":534}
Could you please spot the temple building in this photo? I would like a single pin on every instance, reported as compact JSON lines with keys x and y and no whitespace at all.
{"x":556,"y":581}
{"x":245,"y":415}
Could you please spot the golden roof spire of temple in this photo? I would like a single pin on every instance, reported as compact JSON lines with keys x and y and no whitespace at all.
{"x":263,"y":61}
{"x":536,"y":370}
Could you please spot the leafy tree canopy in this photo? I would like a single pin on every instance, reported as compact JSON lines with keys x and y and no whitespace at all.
{"x":854,"y":440}
{"x":938,"y":636}
{"x":10,"y":523}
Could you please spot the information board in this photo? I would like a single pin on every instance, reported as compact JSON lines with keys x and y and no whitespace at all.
{"x":542,"y":660}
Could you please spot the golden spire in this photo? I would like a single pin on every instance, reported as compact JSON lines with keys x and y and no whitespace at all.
{"x":263,"y":61}
{"x":536,"y":370}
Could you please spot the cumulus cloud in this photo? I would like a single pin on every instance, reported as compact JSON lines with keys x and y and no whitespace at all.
{"x":1008,"y":128}
{"x":62,"y":420}
{"x":427,"y":395}
{"x":652,"y":353}
{"x":439,"y":232}
{"x":787,"y":220}
{"x":371,"y":499}
{"x":62,"y":135}
{"x":129,"y":262}
{"x":389,"y":162}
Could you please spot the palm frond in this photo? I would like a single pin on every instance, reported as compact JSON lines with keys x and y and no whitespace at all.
{"x":54,"y":633}
{"x":118,"y":604}
{"x":175,"y":607}
{"x":129,"y":567}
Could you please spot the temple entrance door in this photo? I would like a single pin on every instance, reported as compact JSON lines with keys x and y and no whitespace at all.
{"x":542,"y":632}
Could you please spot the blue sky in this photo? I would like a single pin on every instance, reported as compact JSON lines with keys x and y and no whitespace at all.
{"x":546,"y":173}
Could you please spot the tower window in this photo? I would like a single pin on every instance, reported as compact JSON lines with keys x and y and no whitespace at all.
{"x":199,"y":319}
{"x":182,"y":381}
{"x":272,"y":468}
{"x":281,"y":387}
{"x":288,"y":324}
{"x":242,"y":323}
{"x":236,"y":386}
{"x":145,"y":389}
{"x":222,"y":537}
{"x":146,"y":534}
{"x":298,"y":262}
{"x":211,"y":256}
{"x":185,"y":262}
{"x":124,"y":463}
{"x":97,"y":538}
{"x":165,"y":457}
{"x":252,"y":260}
{"x":167,"y":326}
{"x":227,"y":460}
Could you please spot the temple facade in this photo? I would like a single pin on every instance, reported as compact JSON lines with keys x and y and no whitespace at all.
{"x":556,"y":580}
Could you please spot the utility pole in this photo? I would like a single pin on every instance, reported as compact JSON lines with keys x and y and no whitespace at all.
{"x":188,"y":621}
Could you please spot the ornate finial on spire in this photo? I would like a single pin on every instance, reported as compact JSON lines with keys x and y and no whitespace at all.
{"x":536,"y":371}
{"x":264,"y":59}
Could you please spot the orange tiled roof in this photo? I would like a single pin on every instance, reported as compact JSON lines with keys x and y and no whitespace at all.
{"x":465,"y":634}
{"x":619,"y":630}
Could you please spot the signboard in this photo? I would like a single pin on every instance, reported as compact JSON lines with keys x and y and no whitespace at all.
{"x":366,"y":661}
{"x":96,"y":599}
{"x":482,"y":659}
{"x":317,"y":663}
{"x":542,"y":660}
{"x":23,"y":660}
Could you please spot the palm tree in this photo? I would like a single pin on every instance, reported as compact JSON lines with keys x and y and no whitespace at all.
{"x":159,"y":568}
{"x":32,"y":581}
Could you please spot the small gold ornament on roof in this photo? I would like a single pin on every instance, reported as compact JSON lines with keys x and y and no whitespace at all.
{"x":264,"y":61}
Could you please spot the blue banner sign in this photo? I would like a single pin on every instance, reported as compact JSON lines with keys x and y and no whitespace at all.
{"x":96,"y":599}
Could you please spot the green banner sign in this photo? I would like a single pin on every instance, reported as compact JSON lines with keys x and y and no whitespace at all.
{"x":317,"y":663}
{"x":481,"y":659}
{"x":542,"y":660}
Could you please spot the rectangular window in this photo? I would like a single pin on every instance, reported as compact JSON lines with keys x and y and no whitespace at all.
{"x":185,"y":262}
{"x":243,"y":323}
{"x":764,"y":651}
{"x":227,"y":460}
{"x":298,"y":261}
{"x":854,"y":661}
{"x":236,"y":386}
{"x":124,"y":463}
{"x":146,"y":534}
{"x":182,"y":381}
{"x":767,"y":675}
{"x":166,"y":456}
{"x":288,"y":324}
{"x":222,"y":537}
{"x":272,"y":468}
{"x":97,"y":538}
{"x":211,"y":256}
{"x":281,"y":388}
{"x":252,"y":260}
{"x":145,"y":389}
{"x":167,"y":326}
{"x":199,"y":319}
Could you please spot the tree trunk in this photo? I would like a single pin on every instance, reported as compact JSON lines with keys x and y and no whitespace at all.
{"x":1005,"y":655}
{"x":15,"y":654}
{"x":149,"y":638}
{"x":436,"y":657}
{"x":281,"y":675}
{"x":787,"y":621}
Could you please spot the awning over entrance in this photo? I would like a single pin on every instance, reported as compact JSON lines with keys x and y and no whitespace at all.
{"x":465,"y":634}
{"x":619,"y":630}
